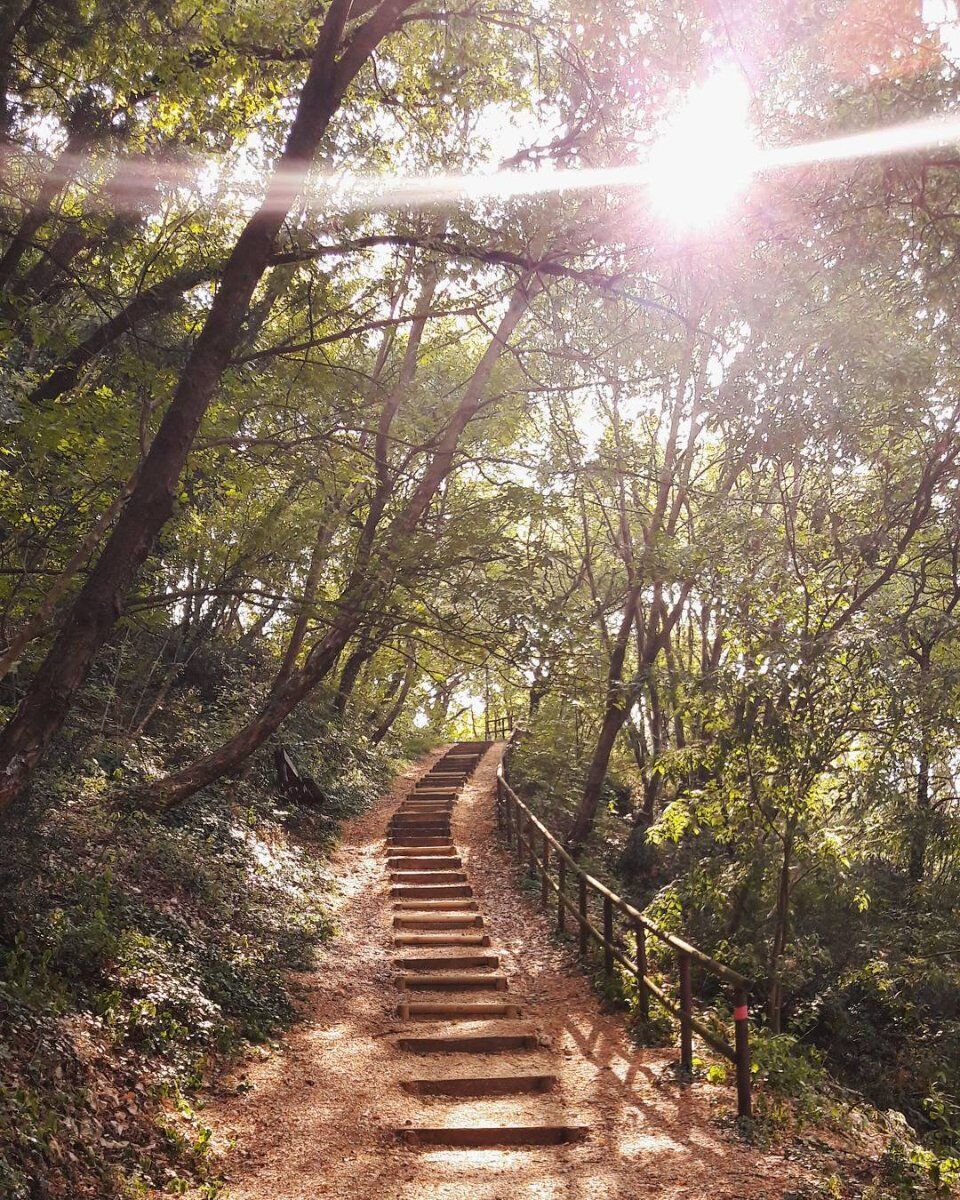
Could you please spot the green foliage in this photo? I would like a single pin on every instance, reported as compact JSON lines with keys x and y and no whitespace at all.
{"x":138,"y":952}
{"x":909,"y":1172}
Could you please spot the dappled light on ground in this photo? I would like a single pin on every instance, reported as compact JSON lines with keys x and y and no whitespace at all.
{"x":318,"y":1118}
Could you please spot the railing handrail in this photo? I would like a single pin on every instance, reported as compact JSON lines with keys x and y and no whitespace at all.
{"x":613,"y":948}
{"x":704,"y":960}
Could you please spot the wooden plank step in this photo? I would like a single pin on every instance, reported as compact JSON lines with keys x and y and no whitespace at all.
{"x":443,"y":905}
{"x":413,"y":821}
{"x":433,"y":793}
{"x":454,"y":980}
{"x":437,"y":920}
{"x":455,"y":962}
{"x":426,"y":862}
{"x":492,"y":1135}
{"x":441,"y":939}
{"x":463,"y":1010}
{"x":480,"y":1085}
{"x":432,"y":891}
{"x":429,"y":851}
{"x":418,"y":820}
{"x":469,"y":1043}
{"x":427,"y":877}
{"x":407,"y":842}
{"x":421,"y":830}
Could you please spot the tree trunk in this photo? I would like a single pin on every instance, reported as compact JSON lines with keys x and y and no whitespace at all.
{"x":101,"y":600}
{"x":781,"y":923}
{"x":34,"y":626}
{"x":350,"y":673}
{"x":163,"y":297}
{"x":61,"y":174}
{"x":920,"y":832}
{"x":613,"y":718}
{"x":371,"y":579}
{"x":395,"y":709}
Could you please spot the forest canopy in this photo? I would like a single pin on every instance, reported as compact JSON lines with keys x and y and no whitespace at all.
{"x":372,"y":366}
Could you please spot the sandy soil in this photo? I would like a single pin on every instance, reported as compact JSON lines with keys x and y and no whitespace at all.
{"x":318,"y":1118}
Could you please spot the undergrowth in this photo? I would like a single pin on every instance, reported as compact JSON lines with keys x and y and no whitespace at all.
{"x":138,"y":952}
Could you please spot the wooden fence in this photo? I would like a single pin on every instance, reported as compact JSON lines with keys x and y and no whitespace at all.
{"x":497,"y":729}
{"x":602,"y":917}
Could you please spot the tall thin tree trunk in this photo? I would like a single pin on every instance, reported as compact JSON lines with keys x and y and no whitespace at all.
{"x":920,"y":832}
{"x":101,"y":600}
{"x":396,"y":708}
{"x":615,"y":713}
{"x":34,"y":626}
{"x":350,"y":673}
{"x":61,"y":174}
{"x":781,"y":925}
{"x":370,"y":580}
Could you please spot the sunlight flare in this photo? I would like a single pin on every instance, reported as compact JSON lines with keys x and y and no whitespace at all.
{"x":706,"y":157}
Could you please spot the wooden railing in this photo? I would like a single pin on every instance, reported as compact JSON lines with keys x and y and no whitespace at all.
{"x":614,"y":927}
{"x":497,"y":729}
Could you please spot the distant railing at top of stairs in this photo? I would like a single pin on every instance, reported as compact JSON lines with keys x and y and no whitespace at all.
{"x":536,"y":845}
{"x":497,"y":728}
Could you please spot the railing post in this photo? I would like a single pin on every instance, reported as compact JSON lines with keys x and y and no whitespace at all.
{"x":643,"y":996}
{"x":531,"y":848}
{"x":686,"y":1012}
{"x":544,"y":879}
{"x":741,"y":1027}
{"x":507,"y":817}
{"x":561,"y":895}
{"x":519,"y":830}
{"x":608,"y":937}
{"x":582,"y":897}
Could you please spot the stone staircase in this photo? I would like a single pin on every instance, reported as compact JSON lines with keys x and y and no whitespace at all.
{"x":454,"y":997}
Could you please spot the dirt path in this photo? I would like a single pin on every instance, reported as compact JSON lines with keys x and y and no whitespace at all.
{"x":320,"y":1117}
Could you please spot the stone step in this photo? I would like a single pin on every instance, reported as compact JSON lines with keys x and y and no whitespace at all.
{"x":448,"y":905}
{"x":492,"y":1135}
{"x":426,"y":862}
{"x":480,"y":1085}
{"x":454,"y":962}
{"x":464,"y":1010}
{"x":431,"y":891}
{"x":452,"y":938}
{"x":437,"y":920}
{"x":427,"y":877}
{"x":468,"y":1043}
{"x":454,"y":980}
